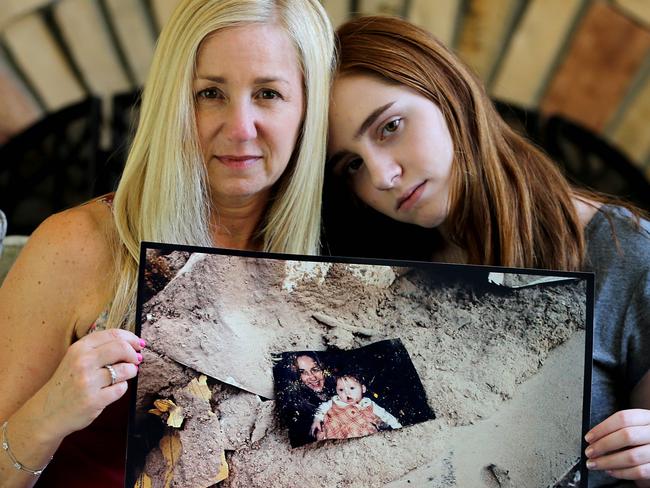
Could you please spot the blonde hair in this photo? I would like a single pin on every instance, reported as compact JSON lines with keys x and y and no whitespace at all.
{"x":163,"y":194}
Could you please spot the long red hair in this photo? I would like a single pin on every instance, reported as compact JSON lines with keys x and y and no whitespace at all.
{"x":510,"y":205}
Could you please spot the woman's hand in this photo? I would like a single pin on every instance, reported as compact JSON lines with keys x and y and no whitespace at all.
{"x":316,"y":428}
{"x":620,"y":445}
{"x":81,"y":387}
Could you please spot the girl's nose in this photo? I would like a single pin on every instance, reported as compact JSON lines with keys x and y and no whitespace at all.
{"x":384,"y":172}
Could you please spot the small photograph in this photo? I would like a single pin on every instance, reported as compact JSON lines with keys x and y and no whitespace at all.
{"x":341,"y":394}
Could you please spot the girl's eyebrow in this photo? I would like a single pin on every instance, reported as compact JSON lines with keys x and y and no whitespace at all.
{"x":371,"y":119}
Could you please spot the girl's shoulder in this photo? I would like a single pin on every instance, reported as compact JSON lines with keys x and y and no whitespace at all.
{"x":619,"y":222}
{"x":617,"y":238}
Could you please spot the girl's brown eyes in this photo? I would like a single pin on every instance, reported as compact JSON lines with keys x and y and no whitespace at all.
{"x":390,"y":128}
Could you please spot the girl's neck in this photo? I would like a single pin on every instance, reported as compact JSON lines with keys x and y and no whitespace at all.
{"x":446,"y":251}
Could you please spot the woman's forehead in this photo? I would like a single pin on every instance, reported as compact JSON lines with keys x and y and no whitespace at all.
{"x":306,"y":362}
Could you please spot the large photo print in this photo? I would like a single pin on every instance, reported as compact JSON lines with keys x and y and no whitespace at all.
{"x":280,"y":371}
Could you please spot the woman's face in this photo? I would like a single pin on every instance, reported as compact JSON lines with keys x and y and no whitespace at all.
{"x":249,"y":107}
{"x":311,"y":373}
{"x":394,"y":146}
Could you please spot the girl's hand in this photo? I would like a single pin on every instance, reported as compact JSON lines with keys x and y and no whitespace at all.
{"x":81,"y":387}
{"x":620,"y":445}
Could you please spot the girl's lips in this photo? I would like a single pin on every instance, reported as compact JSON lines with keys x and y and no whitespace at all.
{"x":407,"y":201}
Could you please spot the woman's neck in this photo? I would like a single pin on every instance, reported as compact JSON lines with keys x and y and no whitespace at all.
{"x":235,"y":223}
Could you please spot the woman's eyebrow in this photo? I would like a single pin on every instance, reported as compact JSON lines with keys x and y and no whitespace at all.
{"x":261,"y":80}
{"x":215,"y":79}
{"x":371,"y":119}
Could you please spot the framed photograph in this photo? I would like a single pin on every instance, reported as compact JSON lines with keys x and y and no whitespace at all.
{"x":267,"y":370}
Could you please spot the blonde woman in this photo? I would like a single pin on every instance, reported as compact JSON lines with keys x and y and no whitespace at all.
{"x":228,"y":153}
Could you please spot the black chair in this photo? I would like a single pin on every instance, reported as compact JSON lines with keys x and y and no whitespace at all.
{"x":526,"y":122}
{"x":50,"y":166}
{"x":126,"y":111}
{"x":588,"y":160}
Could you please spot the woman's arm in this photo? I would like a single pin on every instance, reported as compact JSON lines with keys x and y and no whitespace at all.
{"x":48,"y":387}
{"x":319,"y":415}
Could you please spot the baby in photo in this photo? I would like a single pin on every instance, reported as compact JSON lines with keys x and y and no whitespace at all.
{"x":349,"y":413}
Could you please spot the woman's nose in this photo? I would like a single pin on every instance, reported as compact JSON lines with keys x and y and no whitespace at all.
{"x":240,"y":124}
{"x":384,"y":171}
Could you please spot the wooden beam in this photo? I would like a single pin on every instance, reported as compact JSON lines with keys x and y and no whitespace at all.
{"x":607,"y":51}
{"x":18,"y":108}
{"x":134,"y":31}
{"x":41,"y":60}
{"x":484,"y":30}
{"x":439,"y":17}
{"x":532,"y":52}
{"x":87,"y":37}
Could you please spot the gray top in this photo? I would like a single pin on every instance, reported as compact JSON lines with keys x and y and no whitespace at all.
{"x":621,"y":354}
{"x":3,"y":229}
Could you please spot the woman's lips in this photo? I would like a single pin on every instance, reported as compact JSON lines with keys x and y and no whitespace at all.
{"x":410,"y":198}
{"x":238,"y":162}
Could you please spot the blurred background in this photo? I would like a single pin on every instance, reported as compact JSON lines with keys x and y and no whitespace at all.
{"x":572,"y":74}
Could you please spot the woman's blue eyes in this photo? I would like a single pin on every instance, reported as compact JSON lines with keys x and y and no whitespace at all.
{"x":269,"y":94}
{"x":264,"y":94}
{"x":208,"y":93}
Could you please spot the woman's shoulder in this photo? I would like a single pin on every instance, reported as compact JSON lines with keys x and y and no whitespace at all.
{"x":67,"y":253}
{"x":80,"y":235}
{"x":60,"y":276}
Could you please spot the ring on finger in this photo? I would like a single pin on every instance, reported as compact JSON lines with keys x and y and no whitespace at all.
{"x":111,"y":370}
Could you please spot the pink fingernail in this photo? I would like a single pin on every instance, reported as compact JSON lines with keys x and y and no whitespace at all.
{"x":143,"y":343}
{"x":139,"y":358}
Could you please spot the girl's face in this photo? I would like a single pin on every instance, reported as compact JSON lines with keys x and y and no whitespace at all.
{"x":394,"y":147}
{"x":349,"y":390}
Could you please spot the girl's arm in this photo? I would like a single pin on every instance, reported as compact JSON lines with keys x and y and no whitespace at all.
{"x":50,"y":387}
{"x":385,"y":416}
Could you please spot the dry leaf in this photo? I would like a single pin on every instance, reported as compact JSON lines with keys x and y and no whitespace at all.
{"x":199,"y":388}
{"x":143,"y":481}
{"x":176,"y":416}
{"x":170,"y":446}
{"x":223,"y":469}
